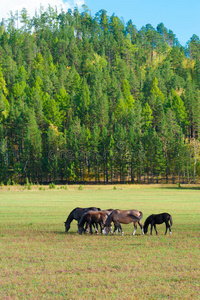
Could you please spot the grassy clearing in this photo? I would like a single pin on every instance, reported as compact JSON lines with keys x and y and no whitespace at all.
{"x":39,"y":261}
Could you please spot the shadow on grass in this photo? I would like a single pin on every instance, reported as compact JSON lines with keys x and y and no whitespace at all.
{"x":180,"y":188}
{"x":66,"y":233}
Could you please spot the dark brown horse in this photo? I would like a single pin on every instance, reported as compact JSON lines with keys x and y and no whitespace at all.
{"x":90,"y":218}
{"x":125,"y":217}
{"x":76,"y":214}
{"x":158,"y":219}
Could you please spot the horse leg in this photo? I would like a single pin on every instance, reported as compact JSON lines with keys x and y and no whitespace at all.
{"x":151,"y":228}
{"x":155,"y":229}
{"x":95,"y":225}
{"x":86,"y":229}
{"x":91,"y":228}
{"x":116,"y":227}
{"x":168,"y":226}
{"x":135,"y":228}
{"x":140,"y":224}
{"x":100,"y":227}
{"x":120,"y":227}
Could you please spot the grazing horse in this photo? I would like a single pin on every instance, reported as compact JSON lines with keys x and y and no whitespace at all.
{"x":125,"y":217}
{"x":109,"y":211}
{"x":92,"y":218}
{"x":76,"y":214}
{"x":158,"y":219}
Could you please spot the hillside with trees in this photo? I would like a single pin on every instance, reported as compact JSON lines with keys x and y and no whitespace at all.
{"x":91,"y":99}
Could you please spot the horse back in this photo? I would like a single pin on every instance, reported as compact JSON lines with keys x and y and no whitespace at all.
{"x":161,"y":218}
{"x":78,"y":212}
{"x":97,"y":216}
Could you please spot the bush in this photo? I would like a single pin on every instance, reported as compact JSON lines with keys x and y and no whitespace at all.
{"x":52,"y":185}
{"x":80,"y":187}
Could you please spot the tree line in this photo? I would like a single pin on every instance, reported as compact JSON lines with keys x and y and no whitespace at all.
{"x":91,"y":99}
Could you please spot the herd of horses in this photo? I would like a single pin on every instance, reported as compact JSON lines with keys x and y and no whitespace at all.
{"x":93,"y":217}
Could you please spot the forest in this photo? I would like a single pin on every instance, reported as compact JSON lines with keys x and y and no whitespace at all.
{"x":89,"y":99}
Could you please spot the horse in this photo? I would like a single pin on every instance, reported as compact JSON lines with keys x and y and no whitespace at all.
{"x":125,"y":217}
{"x":92,"y":218}
{"x":158,"y":219}
{"x":109,"y":211}
{"x":76,"y":214}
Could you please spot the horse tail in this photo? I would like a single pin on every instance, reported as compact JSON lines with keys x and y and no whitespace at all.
{"x":141,"y":215}
{"x":170,"y":218}
{"x":136,"y":219}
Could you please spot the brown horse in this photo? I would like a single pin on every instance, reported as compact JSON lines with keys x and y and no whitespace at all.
{"x":92,"y":218}
{"x":109,"y":211}
{"x":125,"y":217}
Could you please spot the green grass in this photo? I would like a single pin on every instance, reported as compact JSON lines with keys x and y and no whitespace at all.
{"x":39,"y":261}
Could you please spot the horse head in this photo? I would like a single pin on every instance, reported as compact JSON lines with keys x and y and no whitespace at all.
{"x":145,"y":228}
{"x":67,"y":226}
{"x":80,"y":229}
{"x":107,"y":226}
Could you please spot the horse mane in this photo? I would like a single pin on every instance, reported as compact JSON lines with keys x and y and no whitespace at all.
{"x":70,"y":217}
{"x":147,"y":221}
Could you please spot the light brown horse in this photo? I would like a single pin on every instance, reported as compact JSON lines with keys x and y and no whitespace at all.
{"x":125,"y":217}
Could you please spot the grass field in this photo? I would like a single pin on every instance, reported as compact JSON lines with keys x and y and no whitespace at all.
{"x":38,"y":260}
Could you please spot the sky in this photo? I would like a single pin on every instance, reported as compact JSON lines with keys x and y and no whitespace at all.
{"x":181,"y":16}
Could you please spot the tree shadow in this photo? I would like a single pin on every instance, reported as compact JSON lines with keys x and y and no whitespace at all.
{"x":180,"y":188}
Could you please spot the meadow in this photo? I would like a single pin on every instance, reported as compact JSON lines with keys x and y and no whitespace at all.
{"x":38,"y":260}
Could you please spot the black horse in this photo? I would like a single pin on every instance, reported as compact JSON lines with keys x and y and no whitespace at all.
{"x":158,"y":219}
{"x":76,"y":214}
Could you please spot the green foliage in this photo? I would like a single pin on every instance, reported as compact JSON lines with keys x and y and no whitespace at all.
{"x":87,"y":98}
{"x":52,"y":186}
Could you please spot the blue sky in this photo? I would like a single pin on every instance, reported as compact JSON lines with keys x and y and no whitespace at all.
{"x":181,"y":16}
